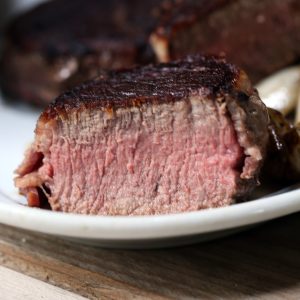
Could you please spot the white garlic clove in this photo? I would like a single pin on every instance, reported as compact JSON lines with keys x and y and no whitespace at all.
{"x":280,"y":91}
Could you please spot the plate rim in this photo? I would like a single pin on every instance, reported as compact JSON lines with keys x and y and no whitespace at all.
{"x":135,"y":228}
{"x":149,"y":227}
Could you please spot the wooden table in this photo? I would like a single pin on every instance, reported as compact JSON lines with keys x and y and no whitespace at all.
{"x":262,"y":263}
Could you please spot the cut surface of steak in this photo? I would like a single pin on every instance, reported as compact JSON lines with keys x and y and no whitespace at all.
{"x":62,"y":43}
{"x":260,"y":36}
{"x":159,"y":139}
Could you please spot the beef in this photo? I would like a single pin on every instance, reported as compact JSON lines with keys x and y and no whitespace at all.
{"x":167,"y":138}
{"x":282,"y":164}
{"x":260,"y":36}
{"x":64,"y":42}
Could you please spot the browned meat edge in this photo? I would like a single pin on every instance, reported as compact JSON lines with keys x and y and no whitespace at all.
{"x":165,"y":83}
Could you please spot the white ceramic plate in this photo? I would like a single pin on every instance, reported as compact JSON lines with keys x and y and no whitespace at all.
{"x":16,"y":132}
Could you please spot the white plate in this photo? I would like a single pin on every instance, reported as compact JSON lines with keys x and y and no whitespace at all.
{"x":16,"y":132}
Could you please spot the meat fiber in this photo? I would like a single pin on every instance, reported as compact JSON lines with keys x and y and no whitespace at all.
{"x":169,"y":138}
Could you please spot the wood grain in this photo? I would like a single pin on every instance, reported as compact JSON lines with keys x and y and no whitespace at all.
{"x":262,"y":263}
{"x":21,"y":287}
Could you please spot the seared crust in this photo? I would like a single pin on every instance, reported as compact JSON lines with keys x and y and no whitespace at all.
{"x":250,"y":119}
{"x":150,"y":84}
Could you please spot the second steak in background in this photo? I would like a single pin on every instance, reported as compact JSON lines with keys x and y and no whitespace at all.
{"x":64,"y":42}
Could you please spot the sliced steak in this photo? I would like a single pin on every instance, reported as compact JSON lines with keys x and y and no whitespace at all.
{"x":260,"y":36}
{"x":63,"y":42}
{"x":169,"y":138}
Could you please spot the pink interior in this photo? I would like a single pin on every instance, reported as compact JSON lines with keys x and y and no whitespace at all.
{"x":151,"y":162}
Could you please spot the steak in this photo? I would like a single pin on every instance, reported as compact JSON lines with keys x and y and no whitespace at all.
{"x":282,"y":164}
{"x":61,"y":43}
{"x":260,"y":36}
{"x":167,"y":138}
{"x":64,"y":42}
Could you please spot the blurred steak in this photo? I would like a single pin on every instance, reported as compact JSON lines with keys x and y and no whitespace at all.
{"x":63,"y":42}
{"x":260,"y":36}
{"x":169,"y":138}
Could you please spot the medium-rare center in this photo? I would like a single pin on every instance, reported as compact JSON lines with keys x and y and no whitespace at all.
{"x":167,"y":138}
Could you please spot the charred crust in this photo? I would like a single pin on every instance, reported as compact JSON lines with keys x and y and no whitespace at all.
{"x":251,"y":120}
{"x":155,"y":84}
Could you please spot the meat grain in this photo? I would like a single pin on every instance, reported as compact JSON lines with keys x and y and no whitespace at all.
{"x":167,"y":138}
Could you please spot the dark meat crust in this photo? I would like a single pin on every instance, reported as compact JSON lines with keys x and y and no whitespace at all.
{"x":250,"y":119}
{"x":150,"y":84}
{"x":283,"y":156}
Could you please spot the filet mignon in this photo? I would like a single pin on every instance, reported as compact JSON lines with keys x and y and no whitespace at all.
{"x":167,"y":138}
